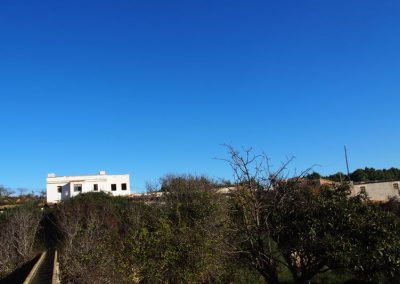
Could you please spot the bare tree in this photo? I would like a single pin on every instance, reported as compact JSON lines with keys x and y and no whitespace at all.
{"x":21,"y":191}
{"x":43,"y":194}
{"x":17,"y":237}
{"x":5,"y":192}
{"x":253,"y":203}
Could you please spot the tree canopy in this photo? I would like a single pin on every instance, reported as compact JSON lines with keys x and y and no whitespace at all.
{"x":360,"y":175}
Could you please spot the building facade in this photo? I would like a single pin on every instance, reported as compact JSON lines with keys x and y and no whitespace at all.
{"x":63,"y":187}
{"x":378,"y":191}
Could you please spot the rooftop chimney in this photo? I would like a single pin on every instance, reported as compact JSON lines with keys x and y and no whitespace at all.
{"x":102,"y":173}
{"x":51,"y":175}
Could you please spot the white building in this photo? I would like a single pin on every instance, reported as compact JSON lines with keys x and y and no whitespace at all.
{"x":63,"y":187}
{"x":378,"y":191}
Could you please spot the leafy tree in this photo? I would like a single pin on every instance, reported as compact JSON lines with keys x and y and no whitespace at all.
{"x":359,"y":175}
{"x":338,"y":177}
{"x":313,"y":175}
{"x":369,"y":174}
{"x":301,"y":230}
{"x":371,"y":249}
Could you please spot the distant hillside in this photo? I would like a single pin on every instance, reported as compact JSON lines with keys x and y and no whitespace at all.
{"x":366,"y":174}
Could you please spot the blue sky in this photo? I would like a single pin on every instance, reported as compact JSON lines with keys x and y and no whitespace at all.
{"x":155,"y":87}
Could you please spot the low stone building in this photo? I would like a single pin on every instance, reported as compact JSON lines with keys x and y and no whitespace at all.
{"x":378,"y":191}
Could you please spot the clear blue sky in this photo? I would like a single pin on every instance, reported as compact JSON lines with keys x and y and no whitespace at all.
{"x":154,"y":87}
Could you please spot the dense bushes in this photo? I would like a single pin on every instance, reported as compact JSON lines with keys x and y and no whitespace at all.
{"x":193,"y":235}
{"x":179,"y":238}
{"x":88,"y":227}
{"x":281,"y":225}
{"x":317,"y":231}
{"x":267,"y":229}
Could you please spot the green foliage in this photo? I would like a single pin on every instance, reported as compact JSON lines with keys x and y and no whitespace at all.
{"x":88,"y":225}
{"x":301,"y":229}
{"x":266,"y":230}
{"x":177,"y":240}
{"x":368,"y":174}
{"x":372,"y":247}
{"x":309,"y":231}
{"x":192,"y":235}
{"x":327,"y":229}
{"x":313,"y":175}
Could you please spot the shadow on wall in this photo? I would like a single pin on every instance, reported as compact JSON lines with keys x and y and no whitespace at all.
{"x":66,"y":190}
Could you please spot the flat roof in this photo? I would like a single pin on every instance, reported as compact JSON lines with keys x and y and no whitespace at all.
{"x":374,"y":182}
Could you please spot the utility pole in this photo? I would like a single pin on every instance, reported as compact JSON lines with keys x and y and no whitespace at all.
{"x":347,"y":163}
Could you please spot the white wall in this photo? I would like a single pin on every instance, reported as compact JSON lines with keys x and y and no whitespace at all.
{"x":380,"y":191}
{"x":67,"y":182}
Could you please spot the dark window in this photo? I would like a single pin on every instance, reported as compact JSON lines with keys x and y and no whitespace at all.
{"x":95,"y":187}
{"x":113,"y":187}
{"x":59,"y":189}
{"x":123,"y":186}
{"x":396,"y":186}
{"x":77,"y":187}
